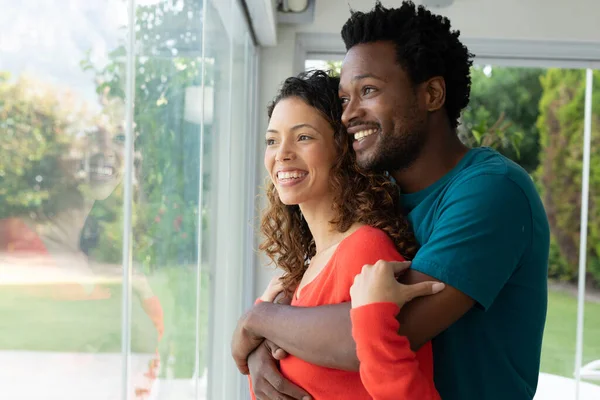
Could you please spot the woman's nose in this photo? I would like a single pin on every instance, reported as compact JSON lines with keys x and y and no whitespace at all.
{"x":285,"y":153}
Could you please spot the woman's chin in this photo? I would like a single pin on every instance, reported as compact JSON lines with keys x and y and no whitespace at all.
{"x":290,"y":200}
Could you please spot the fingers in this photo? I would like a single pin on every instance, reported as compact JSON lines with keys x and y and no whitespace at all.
{"x":242,"y":367}
{"x":399,"y":266}
{"x":423,"y":289}
{"x":277,"y":352}
{"x":271,"y":385}
{"x":280,"y":388}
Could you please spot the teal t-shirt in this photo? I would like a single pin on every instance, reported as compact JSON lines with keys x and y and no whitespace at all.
{"x":483,"y":230}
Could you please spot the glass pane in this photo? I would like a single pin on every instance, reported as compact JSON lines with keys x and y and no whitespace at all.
{"x":591,"y":331}
{"x":324,"y":65}
{"x":61,"y":166}
{"x":216,"y":181}
{"x":168,"y":116}
{"x":535,"y":117}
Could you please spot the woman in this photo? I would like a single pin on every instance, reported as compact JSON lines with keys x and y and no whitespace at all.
{"x":325,"y":221}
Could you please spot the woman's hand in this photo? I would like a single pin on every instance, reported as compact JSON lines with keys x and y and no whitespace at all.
{"x":275,"y":287}
{"x":377,"y":284}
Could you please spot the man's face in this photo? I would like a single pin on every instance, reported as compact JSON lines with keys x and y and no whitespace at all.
{"x":383,"y":111}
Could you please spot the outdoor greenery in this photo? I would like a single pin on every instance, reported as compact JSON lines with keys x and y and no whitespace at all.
{"x":558,"y":346}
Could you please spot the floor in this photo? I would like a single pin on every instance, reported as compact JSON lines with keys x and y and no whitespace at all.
{"x":77,"y":376}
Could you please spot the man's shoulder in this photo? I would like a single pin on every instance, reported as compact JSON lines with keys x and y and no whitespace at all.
{"x":492,"y":174}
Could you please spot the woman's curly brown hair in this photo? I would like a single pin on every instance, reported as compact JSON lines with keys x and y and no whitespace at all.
{"x":360,"y":196}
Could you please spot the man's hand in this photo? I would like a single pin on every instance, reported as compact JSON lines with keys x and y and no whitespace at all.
{"x":243,"y":343}
{"x":267,"y":381}
{"x":377,"y":283}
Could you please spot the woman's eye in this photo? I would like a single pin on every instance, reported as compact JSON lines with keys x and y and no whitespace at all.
{"x":304,"y":137}
{"x":270,"y":142}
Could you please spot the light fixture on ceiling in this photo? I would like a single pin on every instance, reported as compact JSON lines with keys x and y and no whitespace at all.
{"x":294,"y":6}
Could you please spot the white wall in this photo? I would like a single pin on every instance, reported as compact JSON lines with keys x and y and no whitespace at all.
{"x":574,"y":20}
{"x":275,"y":66}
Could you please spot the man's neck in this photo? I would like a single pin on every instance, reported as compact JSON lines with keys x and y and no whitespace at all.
{"x":438,"y":157}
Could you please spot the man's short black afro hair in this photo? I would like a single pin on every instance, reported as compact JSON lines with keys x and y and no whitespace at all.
{"x":425,"y":45}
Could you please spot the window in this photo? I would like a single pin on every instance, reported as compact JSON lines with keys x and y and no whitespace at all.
{"x":74,"y":214}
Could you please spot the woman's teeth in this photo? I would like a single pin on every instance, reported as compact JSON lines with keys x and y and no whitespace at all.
{"x":291,"y":175}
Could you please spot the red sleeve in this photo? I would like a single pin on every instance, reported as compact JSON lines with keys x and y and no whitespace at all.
{"x":389,"y":369}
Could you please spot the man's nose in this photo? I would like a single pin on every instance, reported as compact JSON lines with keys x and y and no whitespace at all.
{"x":352,"y":111}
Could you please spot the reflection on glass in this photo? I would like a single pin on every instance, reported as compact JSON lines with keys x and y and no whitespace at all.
{"x":61,"y":162}
{"x":62,"y":135}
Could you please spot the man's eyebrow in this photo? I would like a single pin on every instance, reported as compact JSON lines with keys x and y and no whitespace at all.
{"x":365,"y":76}
{"x":361,"y":77}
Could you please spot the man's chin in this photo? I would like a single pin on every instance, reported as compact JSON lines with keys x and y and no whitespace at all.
{"x":368,"y":161}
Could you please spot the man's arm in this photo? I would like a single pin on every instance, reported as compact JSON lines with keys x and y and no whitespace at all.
{"x":323,"y":335}
{"x":426,"y":317}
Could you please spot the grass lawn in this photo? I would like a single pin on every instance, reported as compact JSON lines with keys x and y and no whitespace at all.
{"x":34,"y":323}
{"x":39,"y":324}
{"x":558,"y":349}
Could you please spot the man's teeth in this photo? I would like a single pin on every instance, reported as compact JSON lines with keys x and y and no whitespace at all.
{"x":291,"y":175}
{"x":362,"y":134}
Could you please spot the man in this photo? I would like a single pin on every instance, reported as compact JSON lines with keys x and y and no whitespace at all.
{"x":480,"y":223}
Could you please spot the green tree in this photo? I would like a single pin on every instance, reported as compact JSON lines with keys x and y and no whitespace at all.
{"x":39,"y":128}
{"x":166,"y":166}
{"x":503,"y":111}
{"x":560,"y":171}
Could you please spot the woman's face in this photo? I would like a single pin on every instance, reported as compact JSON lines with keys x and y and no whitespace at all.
{"x":103,"y":167}
{"x":300,"y":152}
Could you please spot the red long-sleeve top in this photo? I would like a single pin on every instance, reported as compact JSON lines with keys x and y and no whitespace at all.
{"x":389,"y":369}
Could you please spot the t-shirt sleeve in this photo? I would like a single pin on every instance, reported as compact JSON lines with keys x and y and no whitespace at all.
{"x":482,"y":229}
{"x":365,"y":246}
{"x":389,"y":369}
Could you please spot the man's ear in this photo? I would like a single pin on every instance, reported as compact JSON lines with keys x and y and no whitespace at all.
{"x":435,"y":93}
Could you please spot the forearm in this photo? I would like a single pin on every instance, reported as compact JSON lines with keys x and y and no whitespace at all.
{"x":388,"y":368}
{"x":318,"y":335}
{"x":424,"y":318}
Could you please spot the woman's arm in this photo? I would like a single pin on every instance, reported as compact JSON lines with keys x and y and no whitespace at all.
{"x":389,"y":369}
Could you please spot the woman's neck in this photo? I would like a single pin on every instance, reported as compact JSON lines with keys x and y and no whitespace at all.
{"x":318,"y":216}
{"x":61,"y":231}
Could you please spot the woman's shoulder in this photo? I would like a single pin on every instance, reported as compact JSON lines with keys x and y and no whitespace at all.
{"x":367,"y":240}
{"x":367,"y":233}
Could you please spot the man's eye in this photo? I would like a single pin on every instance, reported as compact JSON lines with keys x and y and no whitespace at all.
{"x":368,"y":90}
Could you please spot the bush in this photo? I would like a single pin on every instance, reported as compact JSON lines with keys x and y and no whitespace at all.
{"x":560,"y":124}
